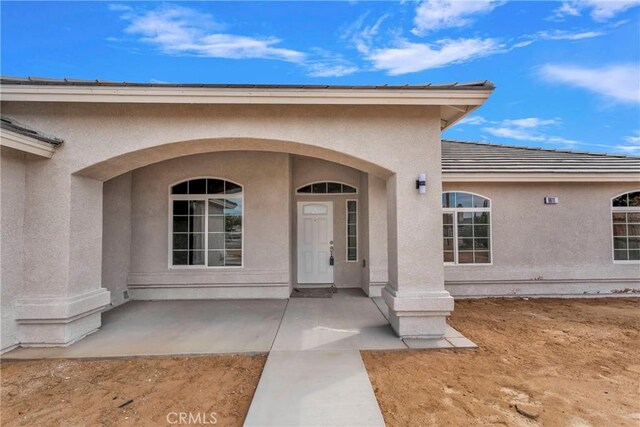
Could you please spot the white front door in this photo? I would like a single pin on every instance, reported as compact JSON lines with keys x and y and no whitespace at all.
{"x":315,"y":241}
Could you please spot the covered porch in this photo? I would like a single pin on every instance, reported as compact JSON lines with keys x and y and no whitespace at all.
{"x":119,"y":229}
{"x":347,"y":321}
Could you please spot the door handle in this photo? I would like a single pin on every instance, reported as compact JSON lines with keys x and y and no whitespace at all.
{"x":331,"y":259}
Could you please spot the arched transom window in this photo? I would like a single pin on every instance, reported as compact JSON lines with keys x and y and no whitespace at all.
{"x":206,"y":223}
{"x":625,"y":214}
{"x":327,"y":188}
{"x":466,"y":221}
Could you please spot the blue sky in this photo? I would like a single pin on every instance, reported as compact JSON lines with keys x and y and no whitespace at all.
{"x":567,"y":73}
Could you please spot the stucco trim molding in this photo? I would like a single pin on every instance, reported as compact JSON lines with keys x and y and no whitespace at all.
{"x":61,"y":310}
{"x":176,"y":278}
{"x":226,"y":291}
{"x":571,"y":288}
{"x":541,"y":177}
{"x":25,"y":144}
{"x":436,"y":301}
{"x":418,"y":314}
{"x":375,"y":289}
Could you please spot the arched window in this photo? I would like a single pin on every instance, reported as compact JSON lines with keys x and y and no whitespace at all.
{"x":466,"y":221}
{"x":206,"y":223}
{"x":327,"y":188}
{"x":625,"y":215}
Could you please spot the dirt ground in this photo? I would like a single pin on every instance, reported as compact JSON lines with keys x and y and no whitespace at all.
{"x":89,"y":393}
{"x":563,"y":362}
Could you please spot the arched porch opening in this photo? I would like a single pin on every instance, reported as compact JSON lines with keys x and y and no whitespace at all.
{"x":139,"y":238}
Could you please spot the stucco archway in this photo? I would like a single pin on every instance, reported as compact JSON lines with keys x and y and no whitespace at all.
{"x":112,"y":167}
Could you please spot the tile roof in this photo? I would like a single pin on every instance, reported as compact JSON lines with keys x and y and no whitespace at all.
{"x":14,"y":126}
{"x":45,"y":81}
{"x":478,"y":157}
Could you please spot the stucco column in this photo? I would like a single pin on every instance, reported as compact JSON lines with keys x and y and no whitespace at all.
{"x":377,"y":234}
{"x":418,"y":303}
{"x":62,"y":296}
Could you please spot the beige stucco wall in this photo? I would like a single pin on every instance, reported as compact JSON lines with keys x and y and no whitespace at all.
{"x":116,"y":236}
{"x":103,"y":141}
{"x":265,"y":270}
{"x":136,"y":216}
{"x":100,"y":132}
{"x":546,"y":249}
{"x":12,"y":176}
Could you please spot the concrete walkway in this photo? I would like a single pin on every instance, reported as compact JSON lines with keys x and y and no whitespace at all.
{"x":314,"y":388}
{"x":314,"y":375}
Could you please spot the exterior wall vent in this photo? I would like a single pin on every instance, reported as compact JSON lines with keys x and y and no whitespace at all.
{"x":550,"y":200}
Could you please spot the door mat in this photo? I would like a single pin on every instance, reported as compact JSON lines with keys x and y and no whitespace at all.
{"x":313,"y":293}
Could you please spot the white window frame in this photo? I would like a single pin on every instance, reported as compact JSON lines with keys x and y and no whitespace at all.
{"x":454,"y":211}
{"x":346,"y":209}
{"x":621,"y":209}
{"x":205,"y":198}
{"x":326,"y":194}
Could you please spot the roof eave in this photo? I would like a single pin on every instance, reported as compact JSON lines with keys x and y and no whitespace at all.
{"x":630,"y":177}
{"x":26,"y":144}
{"x":198,"y":95}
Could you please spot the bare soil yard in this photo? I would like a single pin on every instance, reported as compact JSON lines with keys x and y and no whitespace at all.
{"x":562,"y":362}
{"x":90,"y":392}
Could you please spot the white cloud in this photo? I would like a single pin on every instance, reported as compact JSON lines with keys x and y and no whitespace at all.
{"x":635,"y":139}
{"x":600,"y":10}
{"x":556,"y":35}
{"x":432,"y":15}
{"x":532,"y":129}
{"x":632,"y":150}
{"x":407,"y":57}
{"x":566,"y":35}
{"x":327,"y":64}
{"x":526,"y":123}
{"x":362,"y":35}
{"x":330,"y":70}
{"x":632,"y":146}
{"x":179,"y":30}
{"x":472,"y":120}
{"x":117,"y":7}
{"x":616,"y":82}
{"x":514,"y":133}
{"x":531,"y":122}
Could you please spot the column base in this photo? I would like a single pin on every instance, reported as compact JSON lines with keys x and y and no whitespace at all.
{"x":418,"y":315}
{"x":48,"y":322}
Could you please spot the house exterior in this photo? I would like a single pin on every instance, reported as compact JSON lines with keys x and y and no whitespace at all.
{"x":118,"y":191}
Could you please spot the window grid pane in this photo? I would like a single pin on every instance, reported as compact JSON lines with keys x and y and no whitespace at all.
{"x":626,"y":229}
{"x":225,"y":232}
{"x":466,"y":229}
{"x":327,"y":187}
{"x":207,"y":231}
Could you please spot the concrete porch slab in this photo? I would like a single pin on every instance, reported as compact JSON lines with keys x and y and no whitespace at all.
{"x":347,"y":321}
{"x":314,"y":388}
{"x":418,"y":343}
{"x":452,"y":338}
{"x":175,"y":327}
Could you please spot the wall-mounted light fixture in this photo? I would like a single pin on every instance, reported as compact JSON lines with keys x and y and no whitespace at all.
{"x":421,"y":183}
